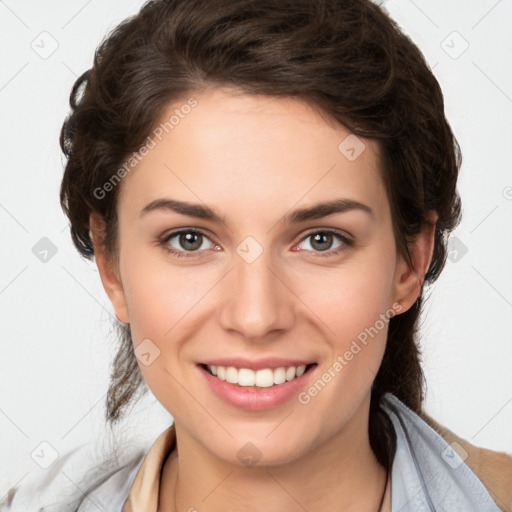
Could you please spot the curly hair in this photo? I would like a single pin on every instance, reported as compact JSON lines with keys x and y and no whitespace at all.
{"x":348,"y":58}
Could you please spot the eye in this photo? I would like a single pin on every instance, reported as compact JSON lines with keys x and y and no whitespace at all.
{"x":322,"y":241}
{"x":189,"y":240}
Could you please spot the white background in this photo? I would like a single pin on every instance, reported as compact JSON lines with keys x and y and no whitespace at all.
{"x":55,"y":317}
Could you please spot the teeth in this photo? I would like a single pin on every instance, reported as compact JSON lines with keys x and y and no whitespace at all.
{"x":264,"y":378}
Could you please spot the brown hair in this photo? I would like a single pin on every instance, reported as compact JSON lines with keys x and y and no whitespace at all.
{"x":346,"y":57}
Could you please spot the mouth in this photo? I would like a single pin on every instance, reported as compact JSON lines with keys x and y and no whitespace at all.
{"x":262,"y":378}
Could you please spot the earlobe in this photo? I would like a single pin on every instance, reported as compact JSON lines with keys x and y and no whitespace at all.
{"x":109,"y":274}
{"x":409,"y":278}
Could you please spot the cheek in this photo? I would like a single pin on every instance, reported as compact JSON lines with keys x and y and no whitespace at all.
{"x":354,"y":311}
{"x":354,"y":306}
{"x":164,"y":302}
{"x":351,"y":297}
{"x":158,"y":293}
{"x":153,"y":303}
{"x":158,"y":300}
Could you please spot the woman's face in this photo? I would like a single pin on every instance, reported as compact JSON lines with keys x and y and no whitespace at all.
{"x":265,"y":288}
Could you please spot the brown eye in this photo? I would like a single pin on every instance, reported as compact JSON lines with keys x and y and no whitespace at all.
{"x":189,"y":241}
{"x":179,"y":243}
{"x":322,"y":241}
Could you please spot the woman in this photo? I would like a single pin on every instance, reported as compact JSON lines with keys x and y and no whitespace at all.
{"x":266,"y":188}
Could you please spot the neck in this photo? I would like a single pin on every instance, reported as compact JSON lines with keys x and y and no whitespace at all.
{"x":341,"y":473}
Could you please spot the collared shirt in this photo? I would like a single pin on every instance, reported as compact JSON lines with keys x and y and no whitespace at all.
{"x":427,"y":475}
{"x":143,"y":494}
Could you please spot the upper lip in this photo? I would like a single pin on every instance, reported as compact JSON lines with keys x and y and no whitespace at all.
{"x":257,"y":364}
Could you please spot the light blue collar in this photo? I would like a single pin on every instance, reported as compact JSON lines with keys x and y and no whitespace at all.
{"x":427,"y":474}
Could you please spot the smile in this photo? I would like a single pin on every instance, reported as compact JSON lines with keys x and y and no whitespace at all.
{"x":264,"y":378}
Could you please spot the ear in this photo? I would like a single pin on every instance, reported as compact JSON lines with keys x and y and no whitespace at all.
{"x":108,"y":270}
{"x":409,"y":279}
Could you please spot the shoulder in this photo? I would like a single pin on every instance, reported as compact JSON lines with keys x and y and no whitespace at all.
{"x":493,"y":468}
{"x":76,"y":483}
{"x":110,"y":490}
{"x":449,"y":470}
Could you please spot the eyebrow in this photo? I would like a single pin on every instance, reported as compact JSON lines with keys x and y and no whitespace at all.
{"x":202,"y":211}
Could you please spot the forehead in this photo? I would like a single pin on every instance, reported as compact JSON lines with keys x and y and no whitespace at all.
{"x":252,"y":153}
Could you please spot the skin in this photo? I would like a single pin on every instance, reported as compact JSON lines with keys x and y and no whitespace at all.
{"x":254,"y":159}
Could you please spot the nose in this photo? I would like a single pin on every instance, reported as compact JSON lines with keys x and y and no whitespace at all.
{"x":257,"y":301}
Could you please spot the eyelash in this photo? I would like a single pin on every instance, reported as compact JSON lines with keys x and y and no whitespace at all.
{"x":347,"y":242}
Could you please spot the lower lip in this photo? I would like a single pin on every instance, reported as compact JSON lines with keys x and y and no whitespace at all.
{"x":254,"y":398}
